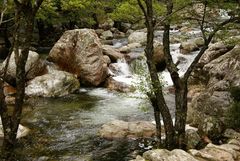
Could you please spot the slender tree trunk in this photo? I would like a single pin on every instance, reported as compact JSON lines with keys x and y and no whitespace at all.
{"x":181,"y":115}
{"x":157,"y":118}
{"x":158,"y":101}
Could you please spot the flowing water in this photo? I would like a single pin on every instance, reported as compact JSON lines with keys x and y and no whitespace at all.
{"x":67,"y":128}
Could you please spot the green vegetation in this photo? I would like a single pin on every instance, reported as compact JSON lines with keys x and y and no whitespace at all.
{"x":234,"y":110}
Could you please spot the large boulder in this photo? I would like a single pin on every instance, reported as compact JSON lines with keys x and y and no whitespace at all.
{"x":79,"y":52}
{"x":206,"y":104}
{"x":214,"y":51}
{"x":54,"y":84}
{"x":223,"y":67}
{"x":138,"y":37}
{"x":120,"y":129}
{"x":35,"y":66}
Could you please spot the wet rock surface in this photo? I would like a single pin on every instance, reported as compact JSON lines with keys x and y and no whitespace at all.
{"x":54,"y":84}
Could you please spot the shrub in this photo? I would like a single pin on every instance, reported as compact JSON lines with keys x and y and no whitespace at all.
{"x":234,"y":110}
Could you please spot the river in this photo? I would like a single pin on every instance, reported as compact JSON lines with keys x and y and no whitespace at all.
{"x":66,"y":128}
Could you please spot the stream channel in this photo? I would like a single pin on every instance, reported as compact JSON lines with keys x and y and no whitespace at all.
{"x":65,"y":129}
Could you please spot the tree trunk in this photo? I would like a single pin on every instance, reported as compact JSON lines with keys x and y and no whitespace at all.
{"x":157,"y":118}
{"x":24,"y":21}
{"x":181,"y":115}
{"x":180,"y":85}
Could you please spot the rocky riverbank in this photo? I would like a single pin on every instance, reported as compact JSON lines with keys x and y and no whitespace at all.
{"x":225,"y":152}
{"x":96,"y":58}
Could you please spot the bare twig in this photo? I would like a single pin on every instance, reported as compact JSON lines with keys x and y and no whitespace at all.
{"x":5,"y":21}
{"x":2,"y":15}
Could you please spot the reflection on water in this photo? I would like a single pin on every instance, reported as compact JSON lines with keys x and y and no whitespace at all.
{"x":66,"y":128}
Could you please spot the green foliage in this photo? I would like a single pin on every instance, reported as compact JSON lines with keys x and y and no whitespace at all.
{"x":77,"y":12}
{"x":234,"y":113}
{"x":6,"y":7}
{"x":127,"y":11}
{"x":144,"y":81}
{"x":47,"y":12}
{"x":234,"y":110}
{"x":235,"y":94}
{"x":158,"y":9}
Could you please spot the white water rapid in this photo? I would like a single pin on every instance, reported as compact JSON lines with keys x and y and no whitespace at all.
{"x":129,"y":76}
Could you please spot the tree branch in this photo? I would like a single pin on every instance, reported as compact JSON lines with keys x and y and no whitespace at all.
{"x":2,"y":14}
{"x":5,"y":21}
{"x":207,"y":42}
{"x":142,"y":8}
{"x":172,"y":13}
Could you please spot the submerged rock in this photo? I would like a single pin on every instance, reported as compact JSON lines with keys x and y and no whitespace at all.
{"x":79,"y":52}
{"x":54,"y":84}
